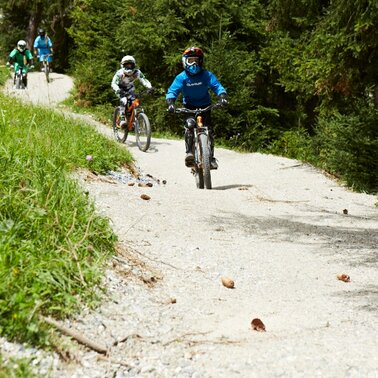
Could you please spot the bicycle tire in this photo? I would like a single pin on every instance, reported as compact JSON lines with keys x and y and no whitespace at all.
{"x":47,"y":72}
{"x":205,"y":160}
{"x":142,"y":132}
{"x":197,"y":170}
{"x":19,"y":84}
{"x":120,"y":133}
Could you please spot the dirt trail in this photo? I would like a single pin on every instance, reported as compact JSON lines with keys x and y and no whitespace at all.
{"x":279,"y":228}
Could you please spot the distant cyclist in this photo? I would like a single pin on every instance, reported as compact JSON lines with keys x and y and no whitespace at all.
{"x":194,"y":84}
{"x":21,"y":57}
{"x":43,"y":46}
{"x":123,"y":83}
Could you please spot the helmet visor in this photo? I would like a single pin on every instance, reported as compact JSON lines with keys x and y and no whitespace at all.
{"x":128,"y":65}
{"x":192,"y":60}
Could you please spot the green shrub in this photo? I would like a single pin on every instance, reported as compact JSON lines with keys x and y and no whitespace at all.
{"x":348,"y":146}
{"x":294,"y":144}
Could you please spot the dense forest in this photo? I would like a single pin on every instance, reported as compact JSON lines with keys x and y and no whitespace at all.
{"x":302,"y":76}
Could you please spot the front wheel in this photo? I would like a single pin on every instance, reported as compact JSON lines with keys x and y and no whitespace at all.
{"x":197,"y":169}
{"x":205,"y":160}
{"x":18,"y":82}
{"x":120,"y":133}
{"x":142,"y":132}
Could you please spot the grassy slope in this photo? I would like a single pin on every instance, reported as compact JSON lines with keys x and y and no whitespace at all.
{"x":53,"y":245}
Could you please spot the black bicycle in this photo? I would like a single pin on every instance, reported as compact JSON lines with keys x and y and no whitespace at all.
{"x":19,"y":78}
{"x":201,"y":147}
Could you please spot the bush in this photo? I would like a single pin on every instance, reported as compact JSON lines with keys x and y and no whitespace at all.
{"x":348,"y":146}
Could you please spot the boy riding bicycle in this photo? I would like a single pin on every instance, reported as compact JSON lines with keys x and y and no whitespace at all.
{"x":194,"y":84}
{"x":123,"y":83}
{"x":43,"y":48}
{"x":21,"y":57}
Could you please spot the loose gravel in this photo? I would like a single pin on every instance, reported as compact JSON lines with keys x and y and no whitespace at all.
{"x":279,"y":228}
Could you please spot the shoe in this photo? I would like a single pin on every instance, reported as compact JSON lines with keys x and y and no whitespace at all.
{"x":122,"y":124}
{"x":213,"y":164}
{"x":189,"y":159}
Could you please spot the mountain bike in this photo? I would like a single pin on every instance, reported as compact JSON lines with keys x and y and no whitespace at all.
{"x":201,"y":147}
{"x":136,"y":120}
{"x":46,"y":65}
{"x":18,"y":81}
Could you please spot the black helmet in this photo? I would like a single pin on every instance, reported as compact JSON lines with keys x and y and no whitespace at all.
{"x":41,"y":32}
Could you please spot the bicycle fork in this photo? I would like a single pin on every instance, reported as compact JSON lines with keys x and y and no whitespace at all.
{"x":198,"y":131}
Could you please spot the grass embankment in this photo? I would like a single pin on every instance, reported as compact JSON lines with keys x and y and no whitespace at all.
{"x":52,"y":243}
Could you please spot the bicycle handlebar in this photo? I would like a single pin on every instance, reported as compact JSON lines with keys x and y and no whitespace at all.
{"x":198,"y":110}
{"x":44,"y":55}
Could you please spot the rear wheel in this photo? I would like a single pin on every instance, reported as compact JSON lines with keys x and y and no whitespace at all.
{"x":120,"y":133}
{"x":47,"y":72}
{"x":205,"y":159}
{"x":142,"y":132}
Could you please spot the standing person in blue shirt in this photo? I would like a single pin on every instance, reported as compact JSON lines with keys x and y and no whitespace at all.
{"x":194,"y":84}
{"x":43,"y":46}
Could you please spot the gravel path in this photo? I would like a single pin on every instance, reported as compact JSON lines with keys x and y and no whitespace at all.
{"x":279,"y":228}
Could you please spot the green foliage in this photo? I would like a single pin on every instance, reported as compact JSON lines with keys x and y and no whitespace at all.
{"x":294,"y":144}
{"x":348,"y":146}
{"x":4,"y":75}
{"x":17,"y":368}
{"x":96,"y":57}
{"x":52,"y":243}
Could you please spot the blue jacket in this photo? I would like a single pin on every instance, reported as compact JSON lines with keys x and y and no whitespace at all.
{"x":195,"y":89}
{"x":43,"y":45}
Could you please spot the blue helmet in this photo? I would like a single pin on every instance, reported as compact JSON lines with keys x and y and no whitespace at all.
{"x":192,"y":60}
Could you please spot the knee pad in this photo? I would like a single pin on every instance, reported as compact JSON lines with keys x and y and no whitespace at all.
{"x":190,"y":123}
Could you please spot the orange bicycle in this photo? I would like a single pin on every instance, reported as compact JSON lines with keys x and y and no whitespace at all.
{"x":137,"y":121}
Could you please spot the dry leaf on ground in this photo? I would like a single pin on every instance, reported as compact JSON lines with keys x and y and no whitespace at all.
{"x":258,"y":325}
{"x":228,"y":282}
{"x":343,"y":277}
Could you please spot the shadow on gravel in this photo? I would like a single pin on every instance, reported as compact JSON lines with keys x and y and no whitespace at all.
{"x":227,"y":187}
{"x":130,"y":142}
{"x":358,"y":245}
{"x":368,"y":296}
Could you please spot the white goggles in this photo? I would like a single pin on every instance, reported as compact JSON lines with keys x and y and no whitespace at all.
{"x":192,"y":60}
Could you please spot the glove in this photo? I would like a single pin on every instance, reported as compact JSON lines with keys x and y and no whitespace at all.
{"x":171,"y":105}
{"x":223,"y":99}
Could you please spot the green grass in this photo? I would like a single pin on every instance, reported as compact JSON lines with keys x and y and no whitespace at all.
{"x":17,"y":368}
{"x":53,"y":245}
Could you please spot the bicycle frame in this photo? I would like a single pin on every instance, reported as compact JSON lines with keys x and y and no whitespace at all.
{"x":132,"y":111}
{"x":201,"y":147}
{"x":18,"y":76}
{"x":137,"y":121}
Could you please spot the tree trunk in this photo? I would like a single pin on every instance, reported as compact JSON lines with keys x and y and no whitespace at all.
{"x":376,"y":96}
{"x":34,"y":20}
